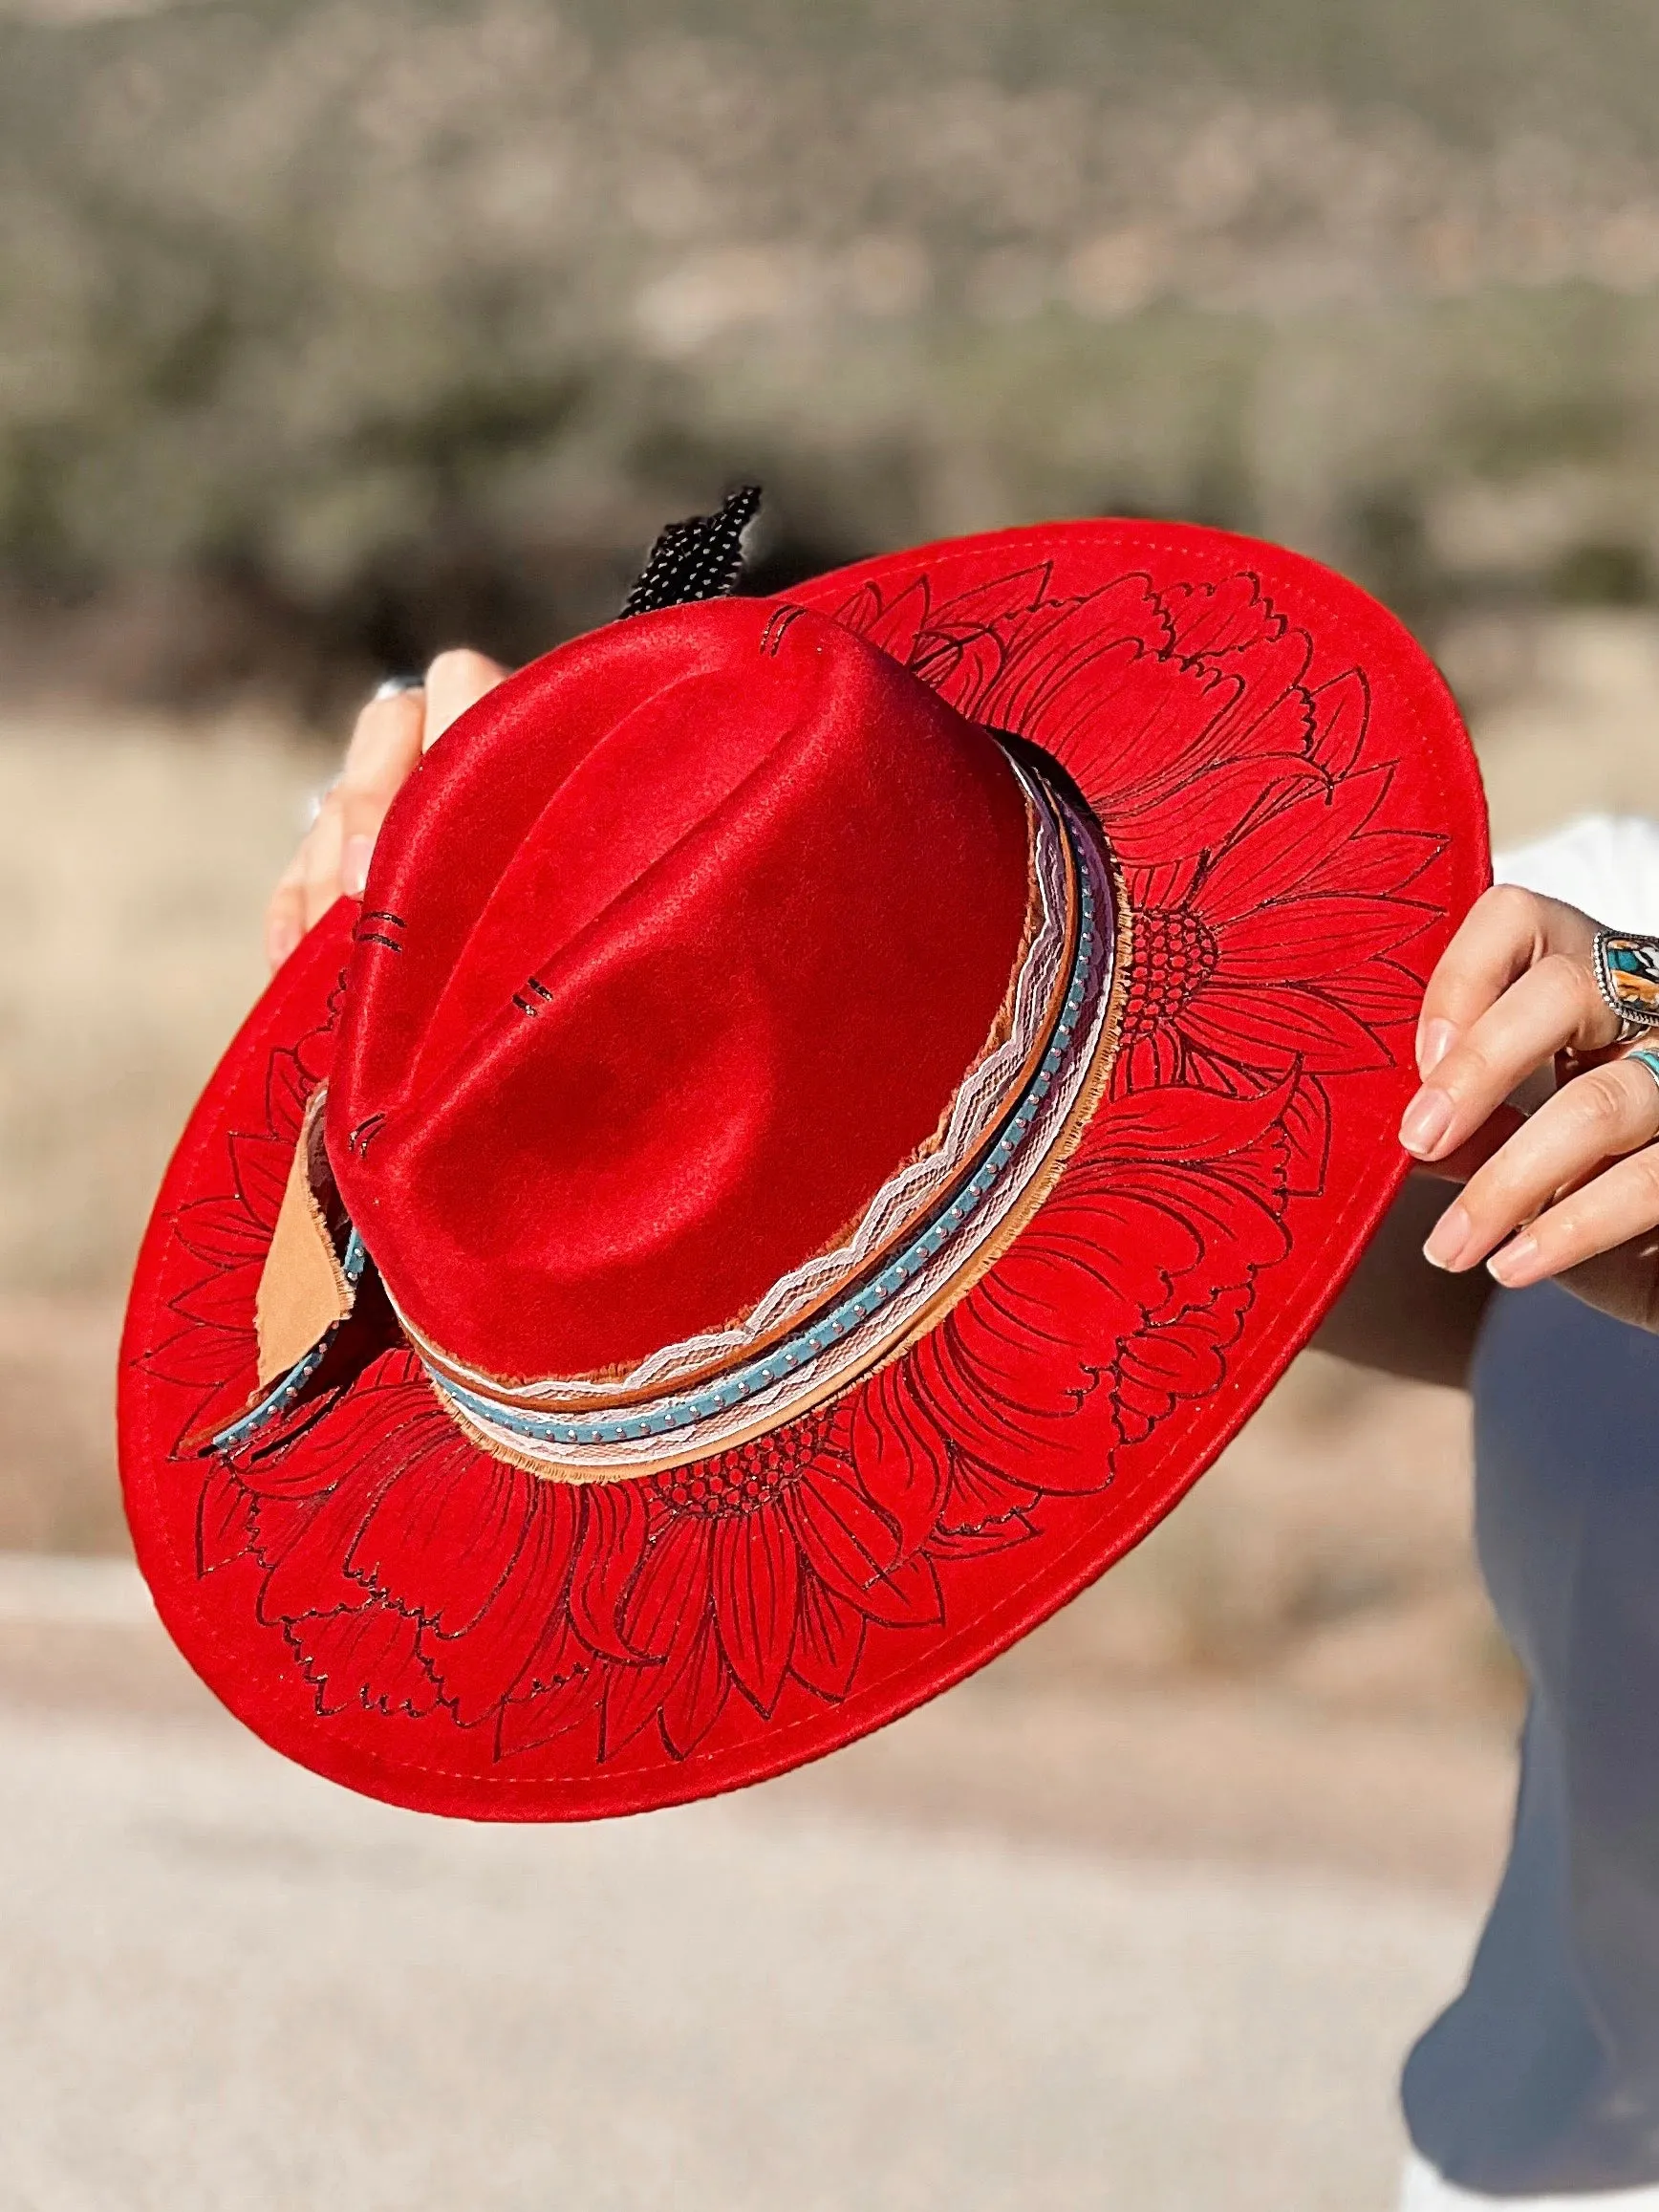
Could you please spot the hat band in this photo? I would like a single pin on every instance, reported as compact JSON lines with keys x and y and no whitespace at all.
{"x":589,"y":1431}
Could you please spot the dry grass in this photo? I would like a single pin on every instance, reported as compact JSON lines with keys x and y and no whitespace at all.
{"x":1565,"y":712}
{"x":134,"y":860}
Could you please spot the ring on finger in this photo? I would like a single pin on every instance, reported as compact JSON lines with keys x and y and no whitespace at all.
{"x":1627,"y":969}
{"x":1647,"y":1056}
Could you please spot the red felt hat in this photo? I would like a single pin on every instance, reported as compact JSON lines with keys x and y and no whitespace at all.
{"x":830,"y":1113}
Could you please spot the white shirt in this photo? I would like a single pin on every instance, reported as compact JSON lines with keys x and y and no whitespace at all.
{"x":1541,"y":2083}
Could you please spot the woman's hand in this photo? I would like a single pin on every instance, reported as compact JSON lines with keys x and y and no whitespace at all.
{"x":395,"y":728}
{"x":1571,"y":1189}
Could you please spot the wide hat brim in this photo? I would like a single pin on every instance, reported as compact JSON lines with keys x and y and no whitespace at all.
{"x":1297,"y":820}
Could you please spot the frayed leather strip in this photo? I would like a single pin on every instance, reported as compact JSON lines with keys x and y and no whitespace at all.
{"x":303,"y":1291}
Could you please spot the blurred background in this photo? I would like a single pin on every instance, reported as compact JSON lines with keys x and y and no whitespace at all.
{"x":333,"y":332}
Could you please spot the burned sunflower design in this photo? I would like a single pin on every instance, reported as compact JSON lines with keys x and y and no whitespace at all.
{"x":411,"y":1574}
{"x":409,"y":1579}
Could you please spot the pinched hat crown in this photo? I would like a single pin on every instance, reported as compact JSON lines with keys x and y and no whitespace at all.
{"x":686,"y":945}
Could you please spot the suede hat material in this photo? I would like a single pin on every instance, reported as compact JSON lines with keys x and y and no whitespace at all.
{"x":830,"y":1113}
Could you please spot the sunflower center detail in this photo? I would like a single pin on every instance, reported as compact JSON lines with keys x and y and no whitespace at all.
{"x":744,"y":1479}
{"x":1175,"y":951}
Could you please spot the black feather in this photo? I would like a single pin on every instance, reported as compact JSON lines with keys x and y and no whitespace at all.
{"x":700,"y":559}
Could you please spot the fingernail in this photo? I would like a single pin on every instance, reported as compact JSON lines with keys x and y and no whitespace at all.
{"x":1428,"y":1117}
{"x":1433,"y":1046}
{"x":354,"y":865}
{"x":1450,"y":1238}
{"x":283,"y":940}
{"x":1518,"y":1263}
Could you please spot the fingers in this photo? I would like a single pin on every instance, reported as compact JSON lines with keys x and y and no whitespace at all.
{"x":455,"y":680}
{"x":1460,"y":1164}
{"x":385,"y":745}
{"x":334,"y":856}
{"x":1554,"y":1007}
{"x":319,"y":862}
{"x":1505,"y":933}
{"x":1513,"y":989}
{"x":284,"y":916}
{"x":1620,"y":1205}
{"x":1599,"y":1116}
{"x":392,"y":732}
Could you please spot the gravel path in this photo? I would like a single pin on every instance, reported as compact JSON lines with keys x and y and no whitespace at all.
{"x":227,"y":1986}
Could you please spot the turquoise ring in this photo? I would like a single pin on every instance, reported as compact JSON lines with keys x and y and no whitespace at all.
{"x":1626,"y":972}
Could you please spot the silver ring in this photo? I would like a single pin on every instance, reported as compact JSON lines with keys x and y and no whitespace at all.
{"x":1648,"y":1058}
{"x":1626,"y":972}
